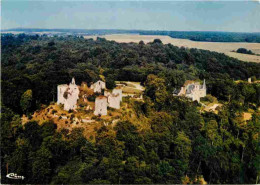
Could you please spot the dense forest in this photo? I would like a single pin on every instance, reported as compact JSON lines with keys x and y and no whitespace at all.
{"x":181,"y":145}
{"x":208,"y":36}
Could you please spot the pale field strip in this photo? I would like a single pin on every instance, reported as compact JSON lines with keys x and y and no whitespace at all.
{"x":220,"y":47}
{"x":131,"y":87}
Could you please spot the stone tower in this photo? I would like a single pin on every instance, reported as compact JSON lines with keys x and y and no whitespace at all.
{"x":68,"y":95}
{"x":101,"y":106}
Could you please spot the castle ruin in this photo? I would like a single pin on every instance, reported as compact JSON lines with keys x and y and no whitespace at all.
{"x":68,"y":95}
{"x":192,"y":90}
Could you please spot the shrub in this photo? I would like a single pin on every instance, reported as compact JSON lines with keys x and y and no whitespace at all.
{"x":30,"y":116}
{"x":244,"y":51}
{"x":91,"y":98}
{"x":111,"y":109}
{"x":209,"y":98}
{"x":94,"y":117}
{"x":253,"y":79}
{"x":61,"y":106}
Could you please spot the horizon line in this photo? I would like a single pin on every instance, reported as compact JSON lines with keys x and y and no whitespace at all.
{"x":119,"y":29}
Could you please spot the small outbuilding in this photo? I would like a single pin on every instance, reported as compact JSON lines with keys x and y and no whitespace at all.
{"x":98,"y":86}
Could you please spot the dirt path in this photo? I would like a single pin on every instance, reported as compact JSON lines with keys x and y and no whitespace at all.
{"x":137,"y":85}
{"x":212,"y":107}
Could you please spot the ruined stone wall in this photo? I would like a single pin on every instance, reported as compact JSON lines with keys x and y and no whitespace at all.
{"x":114,"y":101}
{"x":119,"y":92}
{"x":60,"y":92}
{"x":98,"y":86}
{"x":101,"y":106}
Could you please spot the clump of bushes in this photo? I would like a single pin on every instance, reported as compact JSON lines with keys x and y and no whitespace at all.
{"x":72,"y":116}
{"x":61,"y":106}
{"x":209,"y":98}
{"x":244,"y":51}
{"x":52,"y":102}
{"x":91,"y":98}
{"x":97,"y":118}
{"x":111,"y":109}
{"x":94,"y":117}
{"x":43,"y":106}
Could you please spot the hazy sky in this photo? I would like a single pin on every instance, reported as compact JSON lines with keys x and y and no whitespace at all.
{"x":238,"y":16}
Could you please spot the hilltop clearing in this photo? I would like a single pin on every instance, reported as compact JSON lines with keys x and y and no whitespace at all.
{"x":85,"y":119}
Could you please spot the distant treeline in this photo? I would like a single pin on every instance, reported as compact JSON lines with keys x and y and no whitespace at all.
{"x":208,"y":36}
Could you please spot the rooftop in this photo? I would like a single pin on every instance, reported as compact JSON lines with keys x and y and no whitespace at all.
{"x":101,"y":97}
{"x":63,"y":85}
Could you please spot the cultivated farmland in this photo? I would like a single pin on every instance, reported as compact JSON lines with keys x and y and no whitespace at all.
{"x":221,"y":47}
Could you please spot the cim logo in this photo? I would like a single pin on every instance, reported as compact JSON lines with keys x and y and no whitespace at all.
{"x":14,"y":176}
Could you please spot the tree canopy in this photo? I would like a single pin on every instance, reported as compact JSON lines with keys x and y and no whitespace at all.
{"x":171,"y":141}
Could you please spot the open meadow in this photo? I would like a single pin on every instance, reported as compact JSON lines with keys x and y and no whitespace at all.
{"x":221,"y":47}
